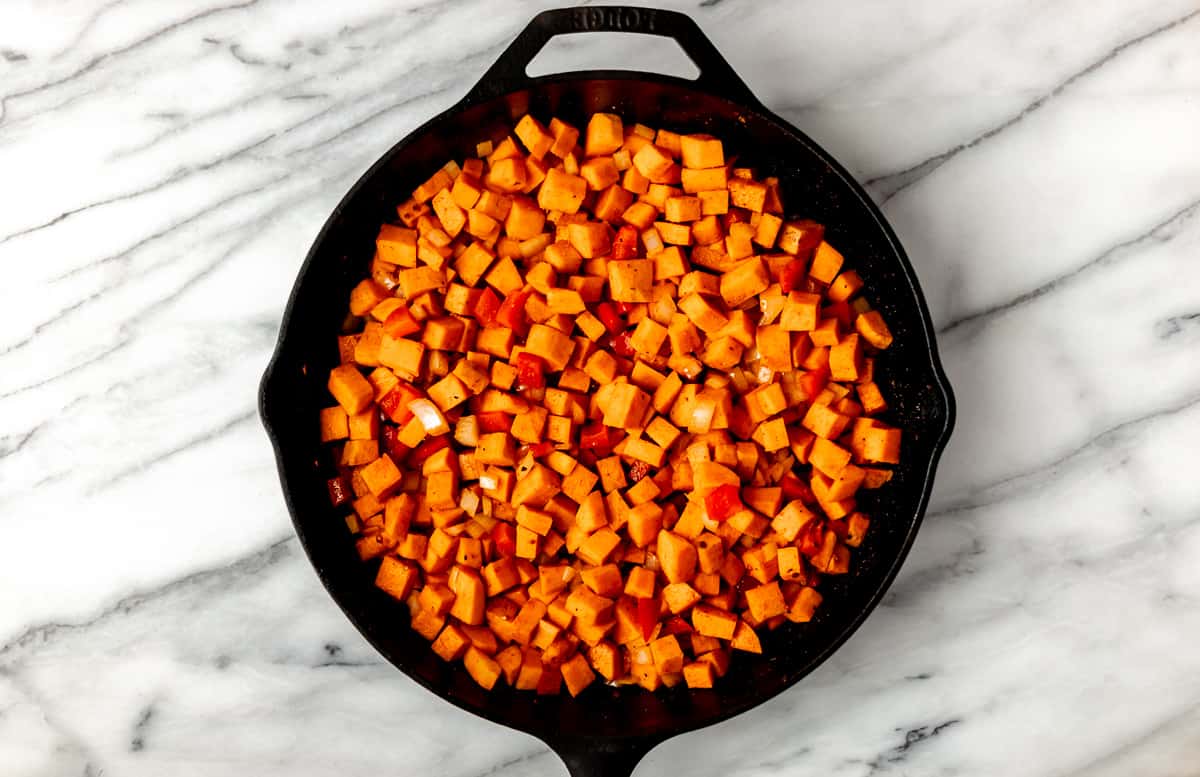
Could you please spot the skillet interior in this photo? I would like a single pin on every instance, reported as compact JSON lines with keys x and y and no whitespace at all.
{"x":814,"y":187}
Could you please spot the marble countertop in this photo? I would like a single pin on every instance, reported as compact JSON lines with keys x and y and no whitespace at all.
{"x":165,"y":167}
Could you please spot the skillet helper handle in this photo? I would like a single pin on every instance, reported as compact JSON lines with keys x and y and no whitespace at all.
{"x":603,"y":759}
{"x":508,"y":72}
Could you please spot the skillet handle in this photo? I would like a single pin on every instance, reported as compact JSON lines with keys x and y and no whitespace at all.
{"x":603,"y":758}
{"x":507,"y":74}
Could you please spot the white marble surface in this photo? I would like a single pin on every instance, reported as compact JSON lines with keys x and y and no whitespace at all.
{"x":164,"y":168}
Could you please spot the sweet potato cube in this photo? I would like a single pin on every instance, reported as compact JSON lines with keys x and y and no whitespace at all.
{"x":748,"y":194}
{"x":500,"y":575}
{"x":745,"y":639}
{"x":589,"y":238}
{"x":441,"y":490}
{"x":565,"y":137}
{"x":769,"y":398}
{"x":561,"y":191}
{"x":788,"y":560}
{"x":677,"y":557}
{"x":396,"y":577}
{"x":529,"y":426}
{"x":397,"y":245}
{"x":597,"y":547}
{"x":535,"y":137}
{"x":482,"y":667}
{"x":648,"y":337}
{"x":771,"y":435}
{"x":381,"y":476}
{"x":668,"y":656}
{"x":653,"y":162}
{"x":452,"y":217}
{"x":826,"y":263}
{"x":536,"y":487}
{"x":679,"y":597}
{"x":881,"y":445}
{"x":604,"y":580}
{"x":600,"y":172}
{"x":351,"y":390}
{"x":845,"y":359}
{"x":334,"y":423}
{"x":804,"y":605}
{"x":577,"y":674}
{"x":702,"y":313}
{"x":626,"y":406}
{"x":605,"y":134}
{"x":800,"y":312}
{"x":828,"y":458}
{"x":714,"y":622}
{"x":631,"y":280}
{"x":508,"y":175}
{"x":873,"y":329}
{"x":744,"y":281}
{"x":469,"y":596}
{"x":765,"y":601}
{"x":844,"y":286}
{"x":682,"y":209}
{"x":496,"y":448}
{"x":451,"y":643}
{"x":824,"y":421}
{"x":551,"y":345}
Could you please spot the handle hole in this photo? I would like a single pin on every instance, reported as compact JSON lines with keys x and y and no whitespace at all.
{"x":612,"y":51}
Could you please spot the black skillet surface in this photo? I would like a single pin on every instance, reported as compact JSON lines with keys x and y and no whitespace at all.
{"x":607,"y":730}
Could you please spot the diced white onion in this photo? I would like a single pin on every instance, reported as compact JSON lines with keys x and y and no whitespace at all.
{"x":469,"y":501}
{"x":764,"y":374}
{"x":702,"y":416}
{"x":487,"y":482}
{"x":430,"y":417}
{"x":466,"y":431}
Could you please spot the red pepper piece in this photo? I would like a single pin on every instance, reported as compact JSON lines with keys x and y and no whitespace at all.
{"x":841,"y":311}
{"x":394,"y":404}
{"x":391,"y":442}
{"x":625,"y":244}
{"x":840,"y":528}
{"x":623,"y":344}
{"x":625,"y":307}
{"x":795,"y":488}
{"x":487,"y":307}
{"x":607,"y":312}
{"x":594,"y":436}
{"x":400,"y":322}
{"x":813,"y":382}
{"x":494,"y":421}
{"x":504,"y":536}
{"x":512,"y":311}
{"x":638,"y":470}
{"x":426,"y":449}
{"x":531,"y":371}
{"x":791,"y":277}
{"x":723,"y":501}
{"x":339,"y":490}
{"x":676,"y":625}
{"x":810,"y":538}
{"x":541,"y":449}
{"x":647,"y":615}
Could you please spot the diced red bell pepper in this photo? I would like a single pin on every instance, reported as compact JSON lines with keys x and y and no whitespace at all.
{"x":339,"y":490}
{"x":487,"y":307}
{"x":625,"y":244}
{"x":841,"y":311}
{"x":550,"y":683}
{"x":676,"y":625}
{"x":723,"y":501}
{"x":531,"y":371}
{"x":594,"y":436}
{"x":647,"y":615}
{"x":391,"y":442}
{"x":840,"y":528}
{"x":791,"y":277}
{"x":795,"y":488}
{"x":638,"y":470}
{"x":813,"y":382}
{"x":810,"y":538}
{"x":607,"y":312}
{"x":623,"y":344}
{"x":428,"y":448}
{"x":512,"y":311}
{"x":400,"y":322}
{"x":504,"y":536}
{"x":493,"y":421}
{"x":625,"y":307}
{"x":394,"y":404}
{"x":541,"y":449}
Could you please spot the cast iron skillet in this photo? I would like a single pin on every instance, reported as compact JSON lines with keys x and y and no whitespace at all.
{"x":606,"y":730}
